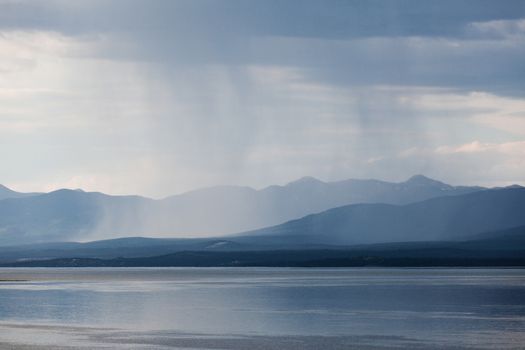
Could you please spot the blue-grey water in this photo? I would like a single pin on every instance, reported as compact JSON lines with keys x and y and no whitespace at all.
{"x":262,"y":308}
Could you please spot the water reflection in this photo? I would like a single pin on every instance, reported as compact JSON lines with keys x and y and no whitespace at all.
{"x":434,"y":307}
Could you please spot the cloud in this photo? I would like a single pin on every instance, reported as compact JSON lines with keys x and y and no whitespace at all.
{"x":470,"y":45}
{"x":333,"y":19}
{"x":502,"y":163}
{"x":158,"y":98}
{"x":484,"y":109}
{"x":499,"y":29}
{"x":507,"y":148}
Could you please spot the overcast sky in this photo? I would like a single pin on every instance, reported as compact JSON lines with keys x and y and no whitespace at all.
{"x":160,"y":97}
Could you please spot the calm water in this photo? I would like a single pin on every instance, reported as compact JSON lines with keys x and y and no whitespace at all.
{"x":262,"y":308}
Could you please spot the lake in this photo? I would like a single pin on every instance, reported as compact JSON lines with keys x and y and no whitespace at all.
{"x":262,"y":308}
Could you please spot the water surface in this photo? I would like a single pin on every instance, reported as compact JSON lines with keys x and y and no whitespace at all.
{"x":277,"y":308}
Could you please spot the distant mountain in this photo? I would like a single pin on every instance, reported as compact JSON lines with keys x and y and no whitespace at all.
{"x":120,"y":247}
{"x":228,"y":209}
{"x":67,"y":215}
{"x":9,"y":193}
{"x":511,"y":235}
{"x":499,"y":250}
{"x":496,"y":248}
{"x":443,"y":218}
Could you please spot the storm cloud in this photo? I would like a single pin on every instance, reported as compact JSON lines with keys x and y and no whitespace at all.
{"x":159,"y":97}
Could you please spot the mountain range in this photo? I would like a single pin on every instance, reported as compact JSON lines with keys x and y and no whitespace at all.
{"x":419,"y":222}
{"x":498,"y":248}
{"x":75,"y":215}
{"x":417,"y":219}
{"x":9,"y":193}
{"x":442,"y":218}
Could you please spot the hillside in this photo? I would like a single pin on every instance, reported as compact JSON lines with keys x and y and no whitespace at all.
{"x":73,"y":215}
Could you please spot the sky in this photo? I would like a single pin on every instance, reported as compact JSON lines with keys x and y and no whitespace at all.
{"x":161,"y":97}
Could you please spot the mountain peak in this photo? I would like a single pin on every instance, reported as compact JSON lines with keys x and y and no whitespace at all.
{"x":4,"y":188}
{"x":6,"y":192}
{"x":305,"y":180}
{"x":423,"y":180}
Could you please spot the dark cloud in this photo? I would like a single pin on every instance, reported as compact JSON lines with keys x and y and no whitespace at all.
{"x":333,"y":19}
{"x":231,"y":91}
{"x":340,"y":42}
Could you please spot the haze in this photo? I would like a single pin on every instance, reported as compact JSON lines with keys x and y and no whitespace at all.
{"x":160,"y":97}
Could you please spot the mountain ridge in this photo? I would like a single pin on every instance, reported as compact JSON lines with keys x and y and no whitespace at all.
{"x":496,"y":251}
{"x":502,"y":244}
{"x":466,"y":215}
{"x":6,"y":193}
{"x":76,"y":215}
